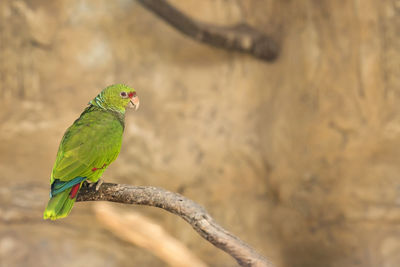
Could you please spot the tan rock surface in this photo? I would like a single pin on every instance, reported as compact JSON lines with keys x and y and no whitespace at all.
{"x":299,"y":158}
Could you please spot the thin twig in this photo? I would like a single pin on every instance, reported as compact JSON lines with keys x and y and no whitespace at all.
{"x":241,"y":37}
{"x":187,"y":209}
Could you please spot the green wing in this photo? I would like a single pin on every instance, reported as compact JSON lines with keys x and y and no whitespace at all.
{"x":92,"y":141}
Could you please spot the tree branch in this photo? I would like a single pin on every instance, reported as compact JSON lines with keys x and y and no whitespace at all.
{"x":187,"y":209}
{"x":241,"y":37}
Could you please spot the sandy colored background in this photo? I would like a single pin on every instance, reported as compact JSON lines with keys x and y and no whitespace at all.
{"x":300,"y":158}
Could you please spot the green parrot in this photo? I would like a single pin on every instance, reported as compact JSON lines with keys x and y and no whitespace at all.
{"x":88,"y":147}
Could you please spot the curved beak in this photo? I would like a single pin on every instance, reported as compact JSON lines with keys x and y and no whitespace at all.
{"x":134,"y":103}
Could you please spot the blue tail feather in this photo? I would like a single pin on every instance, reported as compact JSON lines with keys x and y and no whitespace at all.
{"x":59,"y":186}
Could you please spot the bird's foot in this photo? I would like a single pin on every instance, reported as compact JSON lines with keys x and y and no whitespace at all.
{"x":99,"y":183}
{"x":86,"y":184}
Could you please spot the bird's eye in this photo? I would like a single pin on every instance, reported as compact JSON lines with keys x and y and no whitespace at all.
{"x":124,"y":94}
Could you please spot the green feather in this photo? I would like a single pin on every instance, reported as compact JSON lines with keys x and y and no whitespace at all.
{"x":54,"y":209}
{"x":92,"y":141}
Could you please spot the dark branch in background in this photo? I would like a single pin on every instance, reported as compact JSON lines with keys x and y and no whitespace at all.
{"x":241,"y":37}
{"x":190,"y":211}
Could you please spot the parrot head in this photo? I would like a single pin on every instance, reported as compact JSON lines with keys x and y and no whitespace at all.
{"x":117,"y":97}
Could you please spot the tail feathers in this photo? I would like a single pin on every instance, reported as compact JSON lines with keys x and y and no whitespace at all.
{"x":60,"y":205}
{"x":59,"y":186}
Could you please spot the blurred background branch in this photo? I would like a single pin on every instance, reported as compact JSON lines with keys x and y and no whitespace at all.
{"x":299,"y":158}
{"x":187,"y":209}
{"x":240,"y":37}
{"x":143,"y":232}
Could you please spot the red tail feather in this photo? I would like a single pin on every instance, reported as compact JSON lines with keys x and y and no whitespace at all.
{"x":74,"y":191}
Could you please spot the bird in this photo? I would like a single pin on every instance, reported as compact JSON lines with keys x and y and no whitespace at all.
{"x":88,"y":147}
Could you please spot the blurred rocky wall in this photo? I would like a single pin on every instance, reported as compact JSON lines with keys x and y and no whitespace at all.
{"x":299,"y":158}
